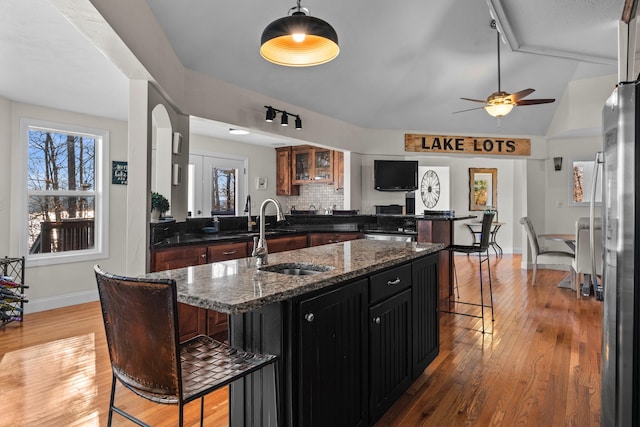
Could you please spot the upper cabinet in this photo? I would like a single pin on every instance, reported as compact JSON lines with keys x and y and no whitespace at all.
{"x":312,"y":164}
{"x":305,"y":164}
{"x":284,"y":186}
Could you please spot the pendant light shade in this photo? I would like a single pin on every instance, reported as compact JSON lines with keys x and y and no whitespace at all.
{"x":299,"y":40}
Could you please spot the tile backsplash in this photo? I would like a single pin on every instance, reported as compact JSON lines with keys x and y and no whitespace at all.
{"x":322,"y":196}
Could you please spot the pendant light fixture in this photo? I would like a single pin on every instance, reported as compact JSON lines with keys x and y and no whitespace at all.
{"x":299,"y":40}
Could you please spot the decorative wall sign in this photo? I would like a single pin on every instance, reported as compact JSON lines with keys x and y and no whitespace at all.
{"x":433,"y":189}
{"x":119,"y":172}
{"x":467,"y":145}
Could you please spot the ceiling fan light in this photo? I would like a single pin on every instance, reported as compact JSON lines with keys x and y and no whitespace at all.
{"x":498,"y":110}
{"x":299,"y":40}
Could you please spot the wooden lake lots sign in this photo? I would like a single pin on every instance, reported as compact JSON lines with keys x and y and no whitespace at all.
{"x":446,"y":144}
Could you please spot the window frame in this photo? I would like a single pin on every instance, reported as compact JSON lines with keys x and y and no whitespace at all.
{"x":101,"y":214}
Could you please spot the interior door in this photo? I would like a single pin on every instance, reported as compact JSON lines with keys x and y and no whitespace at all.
{"x":217,"y":185}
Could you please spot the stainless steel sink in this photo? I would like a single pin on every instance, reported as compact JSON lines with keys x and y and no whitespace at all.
{"x":293,"y":269}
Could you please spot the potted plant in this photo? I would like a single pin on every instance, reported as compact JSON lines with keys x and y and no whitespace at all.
{"x":159,"y":205}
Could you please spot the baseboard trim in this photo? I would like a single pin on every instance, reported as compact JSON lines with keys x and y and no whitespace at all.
{"x":59,"y":301}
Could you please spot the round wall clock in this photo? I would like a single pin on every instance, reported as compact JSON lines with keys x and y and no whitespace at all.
{"x":430,"y":188}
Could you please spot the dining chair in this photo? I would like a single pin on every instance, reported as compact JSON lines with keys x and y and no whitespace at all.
{"x":545,"y":257}
{"x":583,"y":264}
{"x":482,"y":249}
{"x":141,"y":324}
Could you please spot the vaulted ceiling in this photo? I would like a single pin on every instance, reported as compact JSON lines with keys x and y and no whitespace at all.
{"x":401,"y":66}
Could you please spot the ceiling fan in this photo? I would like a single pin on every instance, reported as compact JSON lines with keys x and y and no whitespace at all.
{"x":500,"y":103}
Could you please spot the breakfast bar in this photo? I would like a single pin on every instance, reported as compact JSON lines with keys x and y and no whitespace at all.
{"x":353,"y":323}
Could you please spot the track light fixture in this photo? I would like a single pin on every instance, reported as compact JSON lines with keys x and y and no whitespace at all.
{"x":284,"y":120}
{"x":299,"y":40}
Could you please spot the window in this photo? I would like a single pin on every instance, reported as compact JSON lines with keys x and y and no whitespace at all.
{"x":64,"y":210}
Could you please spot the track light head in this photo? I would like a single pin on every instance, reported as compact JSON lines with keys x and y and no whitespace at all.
{"x":271,"y":114}
{"x":298,"y":123}
{"x":285,"y":119}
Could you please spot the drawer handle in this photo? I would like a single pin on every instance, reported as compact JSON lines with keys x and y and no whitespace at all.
{"x":309,"y":317}
{"x":393,"y":282}
{"x":203,"y":256}
{"x":376,"y":320}
{"x":229,"y":253}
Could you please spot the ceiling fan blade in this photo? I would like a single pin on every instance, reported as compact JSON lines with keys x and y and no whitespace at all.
{"x":516,"y":96}
{"x":535,"y":101}
{"x":470,"y":109}
{"x":484,"y":101}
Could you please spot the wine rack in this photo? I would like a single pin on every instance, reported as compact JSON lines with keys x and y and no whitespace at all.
{"x":12,"y":297}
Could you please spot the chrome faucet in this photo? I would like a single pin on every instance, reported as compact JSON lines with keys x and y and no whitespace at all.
{"x":247,"y":210}
{"x":260,"y":245}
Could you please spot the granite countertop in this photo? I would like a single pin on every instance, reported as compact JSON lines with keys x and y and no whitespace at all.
{"x":237,"y":286}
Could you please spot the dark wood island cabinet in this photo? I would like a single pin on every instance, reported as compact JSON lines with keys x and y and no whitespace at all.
{"x":350,"y":339}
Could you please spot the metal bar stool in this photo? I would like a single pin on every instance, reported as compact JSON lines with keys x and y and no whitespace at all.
{"x":482,"y":249}
{"x":141,"y":324}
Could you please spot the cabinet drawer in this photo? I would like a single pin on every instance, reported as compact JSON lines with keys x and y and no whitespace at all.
{"x":389,"y":282}
{"x":226,"y":251}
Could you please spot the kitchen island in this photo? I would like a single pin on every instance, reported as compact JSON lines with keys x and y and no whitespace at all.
{"x":351,"y":338}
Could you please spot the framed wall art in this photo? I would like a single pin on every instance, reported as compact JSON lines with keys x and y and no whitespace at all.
{"x":433,"y":189}
{"x":483,"y":189}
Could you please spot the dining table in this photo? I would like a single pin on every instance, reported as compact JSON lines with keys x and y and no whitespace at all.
{"x":570,"y":240}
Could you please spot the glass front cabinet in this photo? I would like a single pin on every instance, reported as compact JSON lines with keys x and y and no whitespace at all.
{"x":312,"y":164}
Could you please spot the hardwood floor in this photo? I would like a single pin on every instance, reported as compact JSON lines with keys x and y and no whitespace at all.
{"x":538,"y":365}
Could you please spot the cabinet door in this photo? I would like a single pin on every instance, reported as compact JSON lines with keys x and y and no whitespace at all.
{"x":338,"y":170}
{"x":333,"y":364}
{"x":284,"y":185}
{"x":226,"y":251}
{"x":390,"y":352}
{"x":185,"y":256}
{"x":281,"y":244}
{"x":426,"y":326}
{"x":192,"y":321}
{"x":322,"y":165}
{"x":302,"y":165}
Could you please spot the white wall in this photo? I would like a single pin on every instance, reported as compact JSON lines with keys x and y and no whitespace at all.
{"x":63,"y":284}
{"x":459,"y":191}
{"x":261,"y":162}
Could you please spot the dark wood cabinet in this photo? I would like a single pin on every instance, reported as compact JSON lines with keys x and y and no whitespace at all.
{"x":192,"y":321}
{"x":316,"y":239}
{"x":332,"y":350}
{"x":287,"y":243}
{"x":226,"y":251}
{"x":184,"y":256}
{"x":438,"y":231}
{"x":338,"y":170}
{"x":284,"y":174}
{"x":390,"y":358}
{"x":347,"y":352}
{"x":390,"y":326}
{"x":312,"y":165}
{"x":426,"y":325}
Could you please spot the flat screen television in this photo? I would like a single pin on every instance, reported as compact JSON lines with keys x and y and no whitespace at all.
{"x":395,"y":175}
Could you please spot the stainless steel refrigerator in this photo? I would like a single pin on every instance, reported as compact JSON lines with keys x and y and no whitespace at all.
{"x":621,"y":247}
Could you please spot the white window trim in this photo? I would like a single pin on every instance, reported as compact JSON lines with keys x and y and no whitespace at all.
{"x":101,"y":248}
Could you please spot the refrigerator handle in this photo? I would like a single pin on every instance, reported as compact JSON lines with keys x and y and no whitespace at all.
{"x":592,"y":209}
